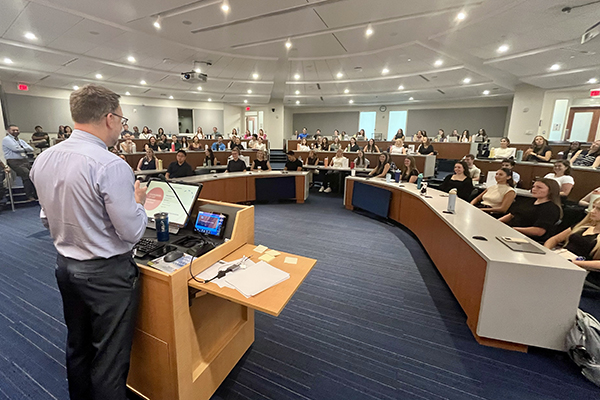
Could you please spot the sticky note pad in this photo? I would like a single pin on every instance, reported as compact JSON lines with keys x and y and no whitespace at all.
{"x":260,"y":249}
{"x":266,"y":257}
{"x":291,"y":260}
{"x":272,"y":253}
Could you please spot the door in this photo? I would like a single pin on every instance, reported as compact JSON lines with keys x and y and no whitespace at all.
{"x":582,"y":124}
{"x":251,"y":124}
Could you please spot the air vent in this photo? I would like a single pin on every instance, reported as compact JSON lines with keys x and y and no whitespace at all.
{"x":147,"y":90}
{"x":425,"y":79}
{"x":321,"y":98}
{"x":165,"y":77}
{"x":230,"y":85}
{"x":71,"y":61}
{"x":318,"y":86}
{"x":47,"y":76}
{"x":441,"y":91}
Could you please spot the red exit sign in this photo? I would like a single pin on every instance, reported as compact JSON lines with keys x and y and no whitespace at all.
{"x":23,"y":87}
{"x":595,"y":92}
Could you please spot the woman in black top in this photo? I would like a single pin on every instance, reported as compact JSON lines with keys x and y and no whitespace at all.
{"x":537,"y":216}
{"x":148,"y":161}
{"x":383,"y":166}
{"x":68,"y":131}
{"x":539,"y":150}
{"x":61,"y":132}
{"x":461,"y":181}
{"x":152,"y":143}
{"x":163,"y":143}
{"x":209,"y":158}
{"x":184,"y":143}
{"x":353,"y":146}
{"x":409,"y":171}
{"x":582,"y":240}
{"x":237,"y":144}
{"x":160,"y":132}
{"x":324,"y":146}
{"x":426,"y":147}
{"x":399,"y":134}
{"x":573,"y":149}
{"x":260,"y":163}
{"x":588,"y":158}
{"x":371,"y":147}
{"x":312,"y":158}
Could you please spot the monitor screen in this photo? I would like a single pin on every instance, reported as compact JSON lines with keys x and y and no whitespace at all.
{"x":212,"y":224}
{"x":160,"y":198}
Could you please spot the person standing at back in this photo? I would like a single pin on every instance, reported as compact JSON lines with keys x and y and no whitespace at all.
{"x":95,"y":213}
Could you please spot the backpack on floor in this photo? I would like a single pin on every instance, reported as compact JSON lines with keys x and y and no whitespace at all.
{"x":583,"y":345}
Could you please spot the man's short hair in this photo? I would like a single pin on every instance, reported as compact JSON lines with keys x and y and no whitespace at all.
{"x":182,"y":151}
{"x":290,"y":153}
{"x":471,"y":156}
{"x":37,"y":126}
{"x":12,"y":125}
{"x":509,"y":160}
{"x":91,"y":103}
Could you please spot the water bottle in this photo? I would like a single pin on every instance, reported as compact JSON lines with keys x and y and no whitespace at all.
{"x":388,"y":177}
{"x":519,"y":156}
{"x":452,"y":201}
{"x":172,"y":146}
{"x":397,"y":177}
{"x":162,"y":226}
{"x":419,"y":181}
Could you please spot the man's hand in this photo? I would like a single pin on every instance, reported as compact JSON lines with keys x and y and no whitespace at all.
{"x":140,"y":193}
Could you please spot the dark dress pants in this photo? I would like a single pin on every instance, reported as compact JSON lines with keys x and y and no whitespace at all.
{"x":22,"y":168}
{"x":100,"y":301}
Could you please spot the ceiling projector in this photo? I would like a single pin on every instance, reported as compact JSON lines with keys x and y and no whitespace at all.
{"x":193,"y":77}
{"x":591,"y":33}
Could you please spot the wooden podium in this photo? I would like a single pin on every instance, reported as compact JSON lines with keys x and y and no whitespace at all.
{"x":189,"y":336}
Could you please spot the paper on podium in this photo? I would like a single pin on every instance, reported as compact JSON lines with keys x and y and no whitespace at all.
{"x":221,"y":265}
{"x":257,"y":278}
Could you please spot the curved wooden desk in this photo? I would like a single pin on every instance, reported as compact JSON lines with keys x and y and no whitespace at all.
{"x":512,"y":299}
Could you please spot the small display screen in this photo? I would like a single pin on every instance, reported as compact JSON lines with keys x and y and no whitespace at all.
{"x":211,"y":224}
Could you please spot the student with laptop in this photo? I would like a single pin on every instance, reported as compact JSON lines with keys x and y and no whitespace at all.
{"x":535,"y":217}
{"x":585,"y":201}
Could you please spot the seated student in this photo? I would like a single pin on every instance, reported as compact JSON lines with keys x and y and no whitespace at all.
{"x":371,"y":147}
{"x":219,"y":145}
{"x":209,"y":158}
{"x":460,"y":180}
{"x":262,"y":134}
{"x":317,"y":143}
{"x":441,"y":136}
{"x":398,"y":147}
{"x":128,"y":146}
{"x":339,"y":161}
{"x":184,"y":143}
{"x":409,"y":172}
{"x":588,"y":158}
{"x":539,"y":150}
{"x":179,"y":168}
{"x":483,"y":146}
{"x":324,"y":146}
{"x":509,"y":163}
{"x":236,"y":164}
{"x":537,"y":216}
{"x":455,"y":134}
{"x":353,"y":146}
{"x":68,"y":132}
{"x":236,"y":143}
{"x":152,"y":143}
{"x":418,"y":137}
{"x":303,"y":145}
{"x":336,"y":145}
{"x":312,"y":158}
{"x":497,"y":199}
{"x":302,"y":135}
{"x":40,"y":139}
{"x":465,"y":137}
{"x":293,"y":163}
{"x":582,"y":241}
{"x":562,"y":175}
{"x":261,"y":144}
{"x":195,"y":145}
{"x":3,"y":171}
{"x":261,"y":163}
{"x":253,"y":142}
{"x":474,"y":172}
{"x":361,"y":161}
{"x":163,"y":143}
{"x":148,"y":161}
{"x":574,"y":147}
{"x":425,"y":147}
{"x":383,"y":166}
{"x":504,"y":151}
{"x":585,"y":201}
{"x":175,"y":144}
{"x":399,"y":134}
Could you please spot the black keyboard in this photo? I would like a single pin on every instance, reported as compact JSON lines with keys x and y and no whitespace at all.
{"x":146,"y":246}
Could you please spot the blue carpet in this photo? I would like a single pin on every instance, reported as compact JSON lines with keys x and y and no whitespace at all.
{"x":373,"y":320}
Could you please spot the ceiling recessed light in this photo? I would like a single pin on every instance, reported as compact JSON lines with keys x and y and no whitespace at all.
{"x":461,"y":16}
{"x":75,"y":87}
{"x":171,"y":97}
{"x":199,"y":88}
{"x":157,"y":22}
{"x":503,"y":49}
{"x":249,"y":91}
{"x":288,"y":44}
{"x":297,"y":76}
{"x":400,"y":87}
{"x":347,"y":91}
{"x":30,"y":36}
{"x":467,"y":80}
{"x":127,"y":94}
{"x":7,"y":60}
{"x":411,"y":98}
{"x":385,"y":71}
{"x":197,"y":70}
{"x":297,"y":92}
{"x":245,"y":101}
{"x":409,"y":60}
{"x":297,"y":101}
{"x":369,"y":31}
{"x":255,"y":76}
{"x":555,"y":67}
{"x":142,"y":82}
{"x":225,"y":7}
{"x":98,"y":76}
{"x":486,"y":92}
{"x":593,"y":80}
{"x":339,"y":75}
{"x":131,"y":59}
{"x":209,"y":99}
{"x":351,"y":101}
{"x":438,"y":63}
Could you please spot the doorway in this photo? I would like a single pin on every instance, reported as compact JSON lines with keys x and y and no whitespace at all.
{"x":252,"y":123}
{"x":185,"y":120}
{"x":582,"y":125}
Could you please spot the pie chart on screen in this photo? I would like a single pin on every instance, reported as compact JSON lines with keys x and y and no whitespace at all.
{"x":153,"y":198}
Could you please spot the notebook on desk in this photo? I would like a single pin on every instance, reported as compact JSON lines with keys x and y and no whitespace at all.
{"x":522,"y":245}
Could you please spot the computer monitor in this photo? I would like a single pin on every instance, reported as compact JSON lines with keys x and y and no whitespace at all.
{"x":212,"y":224}
{"x":160,"y":198}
